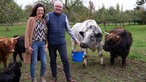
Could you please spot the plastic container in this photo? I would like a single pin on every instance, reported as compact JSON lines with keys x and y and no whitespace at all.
{"x":77,"y":56}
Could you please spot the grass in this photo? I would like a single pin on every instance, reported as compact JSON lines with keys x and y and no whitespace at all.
{"x":94,"y":72}
{"x":13,"y":30}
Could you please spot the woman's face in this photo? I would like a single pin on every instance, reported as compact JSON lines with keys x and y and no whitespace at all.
{"x":40,"y":12}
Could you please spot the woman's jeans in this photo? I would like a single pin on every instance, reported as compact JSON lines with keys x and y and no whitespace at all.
{"x":38,"y":49}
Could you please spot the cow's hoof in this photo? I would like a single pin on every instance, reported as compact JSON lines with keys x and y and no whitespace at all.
{"x":103,"y":64}
{"x":112,"y":64}
{"x":123,"y":66}
{"x":84,"y":65}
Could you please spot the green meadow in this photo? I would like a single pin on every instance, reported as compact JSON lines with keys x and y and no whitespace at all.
{"x":94,"y":72}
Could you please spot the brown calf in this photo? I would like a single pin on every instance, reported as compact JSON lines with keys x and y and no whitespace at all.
{"x":6,"y":47}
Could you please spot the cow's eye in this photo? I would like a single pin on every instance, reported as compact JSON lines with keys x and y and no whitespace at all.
{"x":92,"y":37}
{"x":110,"y":40}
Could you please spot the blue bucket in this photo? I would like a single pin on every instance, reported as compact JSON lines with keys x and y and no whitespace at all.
{"x":77,"y":56}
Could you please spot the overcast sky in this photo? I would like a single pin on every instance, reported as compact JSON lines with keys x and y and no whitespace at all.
{"x":127,"y":4}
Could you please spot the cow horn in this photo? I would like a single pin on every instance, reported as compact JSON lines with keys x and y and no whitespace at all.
{"x":105,"y":32}
{"x":1,"y":39}
{"x":118,"y":36}
{"x":16,"y":37}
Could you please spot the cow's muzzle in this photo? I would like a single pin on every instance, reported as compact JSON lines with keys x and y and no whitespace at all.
{"x":83,"y":45}
{"x":106,"y":48}
{"x":12,"y":50}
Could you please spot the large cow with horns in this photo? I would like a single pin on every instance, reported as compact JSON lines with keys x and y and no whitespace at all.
{"x":118,"y":42}
{"x":90,"y":36}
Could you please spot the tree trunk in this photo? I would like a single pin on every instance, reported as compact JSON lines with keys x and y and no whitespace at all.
{"x":6,"y":28}
{"x":104,"y":24}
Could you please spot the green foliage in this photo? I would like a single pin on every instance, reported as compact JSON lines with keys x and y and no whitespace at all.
{"x":140,"y":2}
{"x":75,"y":10}
{"x":10,"y":12}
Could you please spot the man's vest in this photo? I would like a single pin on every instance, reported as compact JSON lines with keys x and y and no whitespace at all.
{"x":56,"y":29}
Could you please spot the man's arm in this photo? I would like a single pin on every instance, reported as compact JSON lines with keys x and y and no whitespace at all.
{"x":69,"y":30}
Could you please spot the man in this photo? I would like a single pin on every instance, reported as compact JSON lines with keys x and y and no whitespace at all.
{"x":57,"y":22}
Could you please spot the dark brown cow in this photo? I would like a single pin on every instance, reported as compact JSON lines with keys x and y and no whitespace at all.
{"x":19,"y":48}
{"x":6,"y":47}
{"x":118,"y":42}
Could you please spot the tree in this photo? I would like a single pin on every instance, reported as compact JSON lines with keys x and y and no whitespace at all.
{"x":10,"y":13}
{"x":75,"y":10}
{"x":140,"y":9}
{"x":91,"y":8}
{"x":48,"y":4}
{"x":28,"y":9}
{"x":140,"y":3}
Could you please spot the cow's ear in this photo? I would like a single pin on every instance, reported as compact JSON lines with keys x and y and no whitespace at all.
{"x":98,"y":35}
{"x":81,"y":33}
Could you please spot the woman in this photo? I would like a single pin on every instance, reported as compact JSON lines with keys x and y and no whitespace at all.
{"x":35,"y":41}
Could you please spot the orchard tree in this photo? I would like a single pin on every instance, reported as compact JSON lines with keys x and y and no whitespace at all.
{"x":75,"y":10}
{"x":140,"y":3}
{"x":140,"y":9}
{"x":10,"y":13}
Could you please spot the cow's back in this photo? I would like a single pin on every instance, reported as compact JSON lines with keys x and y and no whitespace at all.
{"x":90,"y":22}
{"x":19,"y":47}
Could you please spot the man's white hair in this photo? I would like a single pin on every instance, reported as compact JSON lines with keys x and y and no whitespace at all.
{"x":58,"y":2}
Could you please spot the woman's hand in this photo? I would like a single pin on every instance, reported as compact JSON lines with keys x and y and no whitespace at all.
{"x":46,"y":46}
{"x":29,"y":50}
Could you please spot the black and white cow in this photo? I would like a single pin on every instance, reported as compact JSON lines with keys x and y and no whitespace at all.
{"x":90,"y":36}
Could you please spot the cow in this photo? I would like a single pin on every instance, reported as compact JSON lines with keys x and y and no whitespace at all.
{"x":90,"y":36}
{"x":19,"y":48}
{"x":6,"y":47}
{"x":12,"y":73}
{"x":118,"y":42}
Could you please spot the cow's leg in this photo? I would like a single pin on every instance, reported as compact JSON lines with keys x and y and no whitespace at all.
{"x":124,"y":56}
{"x":5,"y":62}
{"x":112,"y":59}
{"x":20,"y":55}
{"x":123,"y":61}
{"x":100,"y":53}
{"x":85,"y":57}
{"x":14,"y":56}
